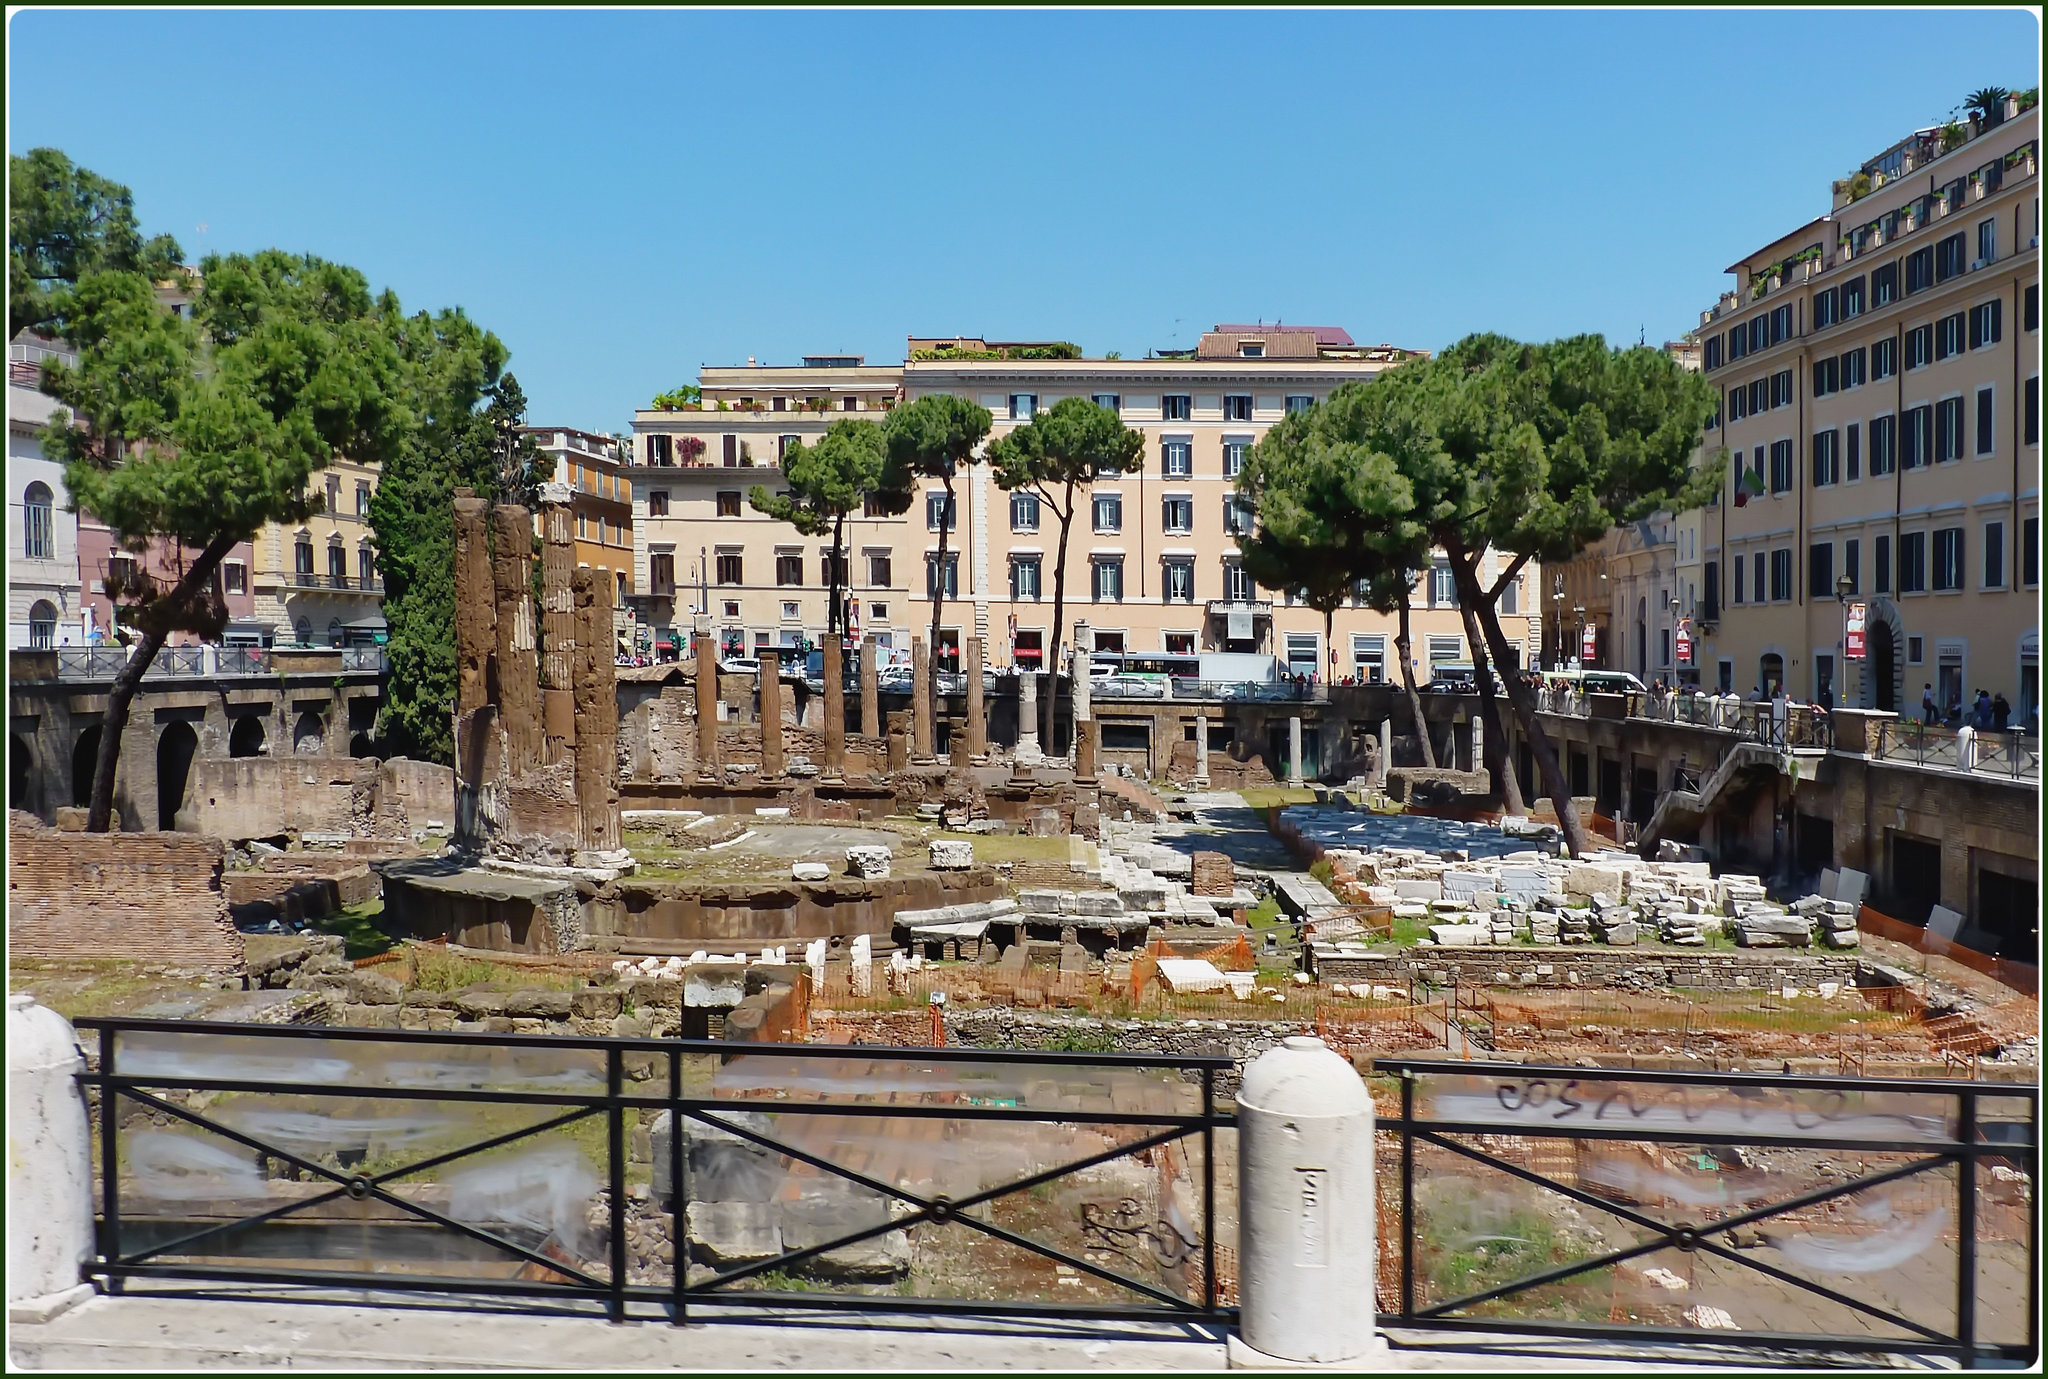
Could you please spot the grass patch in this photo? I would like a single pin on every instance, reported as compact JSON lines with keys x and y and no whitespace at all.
{"x":991,"y":848}
{"x":1525,"y":1243}
{"x":360,"y":932}
{"x":435,"y":969}
{"x":1265,"y":914}
{"x":1409,"y":932}
{"x":84,"y":986}
{"x":1265,"y":797}
{"x":1322,"y":871}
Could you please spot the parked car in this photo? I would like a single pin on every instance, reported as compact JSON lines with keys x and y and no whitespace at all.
{"x":740,"y":665}
{"x":895,"y":678}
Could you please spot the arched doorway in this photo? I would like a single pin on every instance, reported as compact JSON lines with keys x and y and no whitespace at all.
{"x":309,"y":735}
{"x":42,"y":625}
{"x":21,"y":773}
{"x":1884,"y":668}
{"x":175,"y":748}
{"x":1770,"y":672}
{"x":85,"y":758}
{"x":247,"y":738}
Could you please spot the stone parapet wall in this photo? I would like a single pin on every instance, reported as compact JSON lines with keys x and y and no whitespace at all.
{"x":1633,"y":968}
{"x":153,"y":896}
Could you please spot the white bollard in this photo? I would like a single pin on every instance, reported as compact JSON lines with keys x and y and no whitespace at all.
{"x":1305,"y":1204}
{"x":49,"y":1164}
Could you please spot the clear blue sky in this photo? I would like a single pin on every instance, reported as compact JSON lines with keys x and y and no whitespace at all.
{"x":625,"y":196}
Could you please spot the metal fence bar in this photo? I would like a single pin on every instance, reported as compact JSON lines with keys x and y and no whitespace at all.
{"x":1966,"y":1232}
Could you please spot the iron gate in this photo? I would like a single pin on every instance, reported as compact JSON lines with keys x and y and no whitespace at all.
{"x":208,"y":1091}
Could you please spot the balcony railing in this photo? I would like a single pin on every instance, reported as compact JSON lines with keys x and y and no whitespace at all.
{"x":2013,"y":754}
{"x":104,"y":663}
{"x":1223,"y":608}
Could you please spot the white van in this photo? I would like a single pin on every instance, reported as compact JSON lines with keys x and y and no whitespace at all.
{"x":1596,"y":681}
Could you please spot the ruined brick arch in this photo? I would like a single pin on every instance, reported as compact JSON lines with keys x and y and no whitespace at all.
{"x":247,"y":738}
{"x":309,"y":735}
{"x":85,"y":755}
{"x":176,"y":746}
{"x":21,"y":772}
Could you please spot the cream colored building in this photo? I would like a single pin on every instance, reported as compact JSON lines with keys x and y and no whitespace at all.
{"x":316,"y":583}
{"x":593,"y":465}
{"x":1152,"y":561}
{"x":1879,"y":369}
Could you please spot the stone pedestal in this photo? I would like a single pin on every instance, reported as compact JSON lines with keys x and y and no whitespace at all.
{"x":707,"y":698}
{"x":899,"y":749}
{"x":977,"y":719}
{"x":1294,"y":749}
{"x":1028,"y":749}
{"x":1084,"y":750}
{"x":49,"y":1175}
{"x":835,"y":710}
{"x":1201,"y":752}
{"x":771,"y":715}
{"x":920,"y":700}
{"x":870,"y":691}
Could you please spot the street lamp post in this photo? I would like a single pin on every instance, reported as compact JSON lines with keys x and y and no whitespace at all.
{"x":1557,"y":658}
{"x":1844,"y":586}
{"x":1579,"y":647}
{"x":1672,"y":608}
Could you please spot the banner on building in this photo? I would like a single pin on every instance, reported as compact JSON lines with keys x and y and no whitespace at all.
{"x":1685,"y":641}
{"x":853,"y":622}
{"x":1589,"y":642}
{"x":1852,"y":632}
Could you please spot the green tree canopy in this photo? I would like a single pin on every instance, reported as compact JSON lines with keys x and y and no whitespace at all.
{"x":930,"y":439}
{"x":830,"y":482}
{"x":64,"y":222}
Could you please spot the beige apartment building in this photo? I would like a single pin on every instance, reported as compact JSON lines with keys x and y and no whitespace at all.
{"x":316,"y":583}
{"x":1152,"y":562}
{"x":1880,"y":378}
{"x":601,"y":498}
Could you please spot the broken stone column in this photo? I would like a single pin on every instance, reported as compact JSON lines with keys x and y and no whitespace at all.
{"x":1201,"y":781}
{"x":899,"y":746}
{"x":920,"y":700}
{"x":1028,"y":749}
{"x":835,"y":711}
{"x":958,"y":744}
{"x":977,"y":719}
{"x":861,"y":966}
{"x":1294,"y":749}
{"x":1084,"y":660}
{"x":518,"y":665}
{"x":771,"y":715}
{"x":1084,"y":750}
{"x":870,"y":692}
{"x":476,"y":635}
{"x":707,"y":699}
{"x":558,"y":622}
{"x":1386,"y":750}
{"x":596,"y":703}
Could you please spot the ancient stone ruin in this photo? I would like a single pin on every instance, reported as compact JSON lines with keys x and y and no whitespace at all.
{"x":536,"y":713}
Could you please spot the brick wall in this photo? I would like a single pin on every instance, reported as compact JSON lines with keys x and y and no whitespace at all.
{"x":1049,"y":876}
{"x":1212,"y":874}
{"x":151,"y":896}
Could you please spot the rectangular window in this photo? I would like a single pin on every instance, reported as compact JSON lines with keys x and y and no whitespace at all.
{"x":1781,"y":324}
{"x":1299,"y":402}
{"x":1109,"y":402}
{"x":1178,"y":459}
{"x":1948,"y":430}
{"x":1737,"y":396}
{"x":2030,"y":313}
{"x":660,"y":451}
{"x":1826,"y":458}
{"x":1824,"y":308}
{"x":1881,"y":566}
{"x":1237,"y":407}
{"x":782,"y":445}
{"x":1949,"y":260}
{"x":1781,"y":575}
{"x":875,"y":505}
{"x":728,"y":503}
{"x":1884,"y":284}
{"x":1738,"y":343}
{"x":1986,"y":324}
{"x":2032,"y":419}
{"x":234,"y":577}
{"x":1913,"y":562}
{"x":1919,"y":271}
{"x":1237,"y":585}
{"x":657,"y":503}
{"x":1237,"y":516}
{"x":1918,"y":441}
{"x":789,"y":570}
{"x":1443,"y":590}
{"x":1759,"y":396}
{"x":1510,"y":598}
{"x":1884,"y":445}
{"x":1711,"y":609}
{"x":1852,"y":369}
{"x":661,"y":573}
{"x":1994,"y":555}
{"x":1024,"y":570}
{"x":1853,"y":450}
{"x":1852,"y":298}
{"x":1177,"y":513}
{"x":1986,"y":432}
{"x":1023,"y":511}
{"x":731,"y":570}
{"x":2030,"y":552}
{"x":362,"y":499}
{"x":1827,"y":375}
{"x":1820,"y":570}
{"x":1023,"y":406}
{"x":1740,"y":565}
{"x":941,"y":510}
{"x":1948,"y":558}
{"x":1179,"y":580}
{"x":1109,"y":512}
{"x":1852,"y":564}
{"x":931,"y":575}
{"x":1884,"y":358}
{"x":1177,"y":407}
{"x":1781,"y":466}
{"x":1919,"y":347}
{"x":1948,"y":336}
{"x":1781,"y":388}
{"x":879,"y":572}
{"x":1235,"y":453}
{"x":732,"y":452}
{"x":1109,"y":579}
{"x":1760,"y":572}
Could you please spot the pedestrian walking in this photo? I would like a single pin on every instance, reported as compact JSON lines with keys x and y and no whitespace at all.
{"x":1929,"y":713}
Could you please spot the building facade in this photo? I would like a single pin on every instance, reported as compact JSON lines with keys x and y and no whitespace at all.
{"x":1152,"y":561}
{"x":594,"y":468}
{"x":45,"y":604}
{"x":1880,"y":380}
{"x":316,"y":583}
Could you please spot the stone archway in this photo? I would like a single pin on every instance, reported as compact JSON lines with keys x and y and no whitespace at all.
{"x":21,"y":773}
{"x":309,"y":735}
{"x":85,"y":759}
{"x":175,"y":748}
{"x":247,"y":738}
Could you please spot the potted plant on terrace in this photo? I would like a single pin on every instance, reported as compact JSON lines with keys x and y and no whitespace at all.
{"x":1988,"y":105}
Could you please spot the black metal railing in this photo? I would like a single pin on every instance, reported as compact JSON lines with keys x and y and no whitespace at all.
{"x":509,"y":1156}
{"x":1844,"y":1212}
